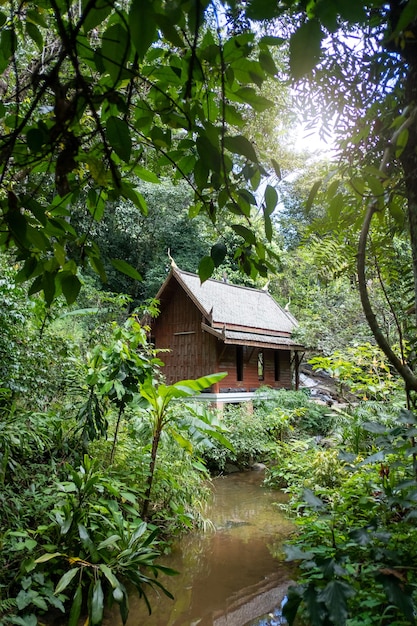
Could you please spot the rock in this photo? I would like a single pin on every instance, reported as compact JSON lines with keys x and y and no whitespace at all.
{"x":258,"y":467}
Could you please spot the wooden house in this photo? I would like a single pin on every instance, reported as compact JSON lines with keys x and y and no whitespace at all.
{"x":220,"y":327}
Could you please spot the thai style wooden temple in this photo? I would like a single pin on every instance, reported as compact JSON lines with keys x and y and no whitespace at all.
{"x":219,"y":327}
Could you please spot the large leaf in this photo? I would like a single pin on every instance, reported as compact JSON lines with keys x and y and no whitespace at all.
{"x":118,"y":134}
{"x":71,"y":286}
{"x":335,"y":596}
{"x":244,"y":232}
{"x":65,"y":580}
{"x":96,"y":604}
{"x":218,"y":253}
{"x":142,"y":25}
{"x":205,"y":268}
{"x":97,"y":13}
{"x":312,"y":500}
{"x":75,"y":610}
{"x":115,"y":51}
{"x":240,"y":145}
{"x":126,"y":268}
{"x":305,"y":48}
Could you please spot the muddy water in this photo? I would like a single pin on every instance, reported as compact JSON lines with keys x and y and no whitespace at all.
{"x":228,"y":576}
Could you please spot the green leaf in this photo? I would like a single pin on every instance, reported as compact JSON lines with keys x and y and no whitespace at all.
{"x":123,"y":266}
{"x":294,"y":553}
{"x":35,"y":34}
{"x":115,"y":51}
{"x":305,"y":48}
{"x":277,"y":169}
{"x":71,"y":286}
{"x":248,"y":95}
{"x":312,"y":195}
{"x":271,"y":199}
{"x":75,"y":610}
{"x":218,"y":253}
{"x":335,"y":596}
{"x":240,"y":145}
{"x":291,"y":606}
{"x":47,"y":557}
{"x":96,"y":14}
{"x":142,"y":26}
{"x":65,"y":580}
{"x":118,"y":134}
{"x":408,"y":15}
{"x":36,"y":139}
{"x":146,"y":175}
{"x":398,"y":595}
{"x":134,"y":196}
{"x":244,"y":232}
{"x":87,"y":543}
{"x":109,"y":575}
{"x":262,"y":9}
{"x":205,"y":268}
{"x":268,"y":63}
{"x":312,"y":500}
{"x":96,"y":604}
{"x":49,"y":287}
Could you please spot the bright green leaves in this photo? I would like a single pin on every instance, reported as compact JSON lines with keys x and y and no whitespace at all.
{"x":119,"y":138}
{"x":305,"y":48}
{"x":142,"y":25}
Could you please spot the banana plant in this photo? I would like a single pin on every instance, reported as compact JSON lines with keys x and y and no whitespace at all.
{"x":160,"y":399}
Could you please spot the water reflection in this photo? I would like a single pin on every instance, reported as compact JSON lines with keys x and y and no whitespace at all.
{"x":227,"y":576}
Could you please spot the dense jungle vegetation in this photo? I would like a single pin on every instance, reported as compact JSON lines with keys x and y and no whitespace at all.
{"x":133,"y":128}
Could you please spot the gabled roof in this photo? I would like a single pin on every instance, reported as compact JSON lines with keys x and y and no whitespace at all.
{"x":236,"y":314}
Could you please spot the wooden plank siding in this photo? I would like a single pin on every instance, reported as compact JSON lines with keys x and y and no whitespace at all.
{"x":250,"y":379}
{"x":178,"y":328}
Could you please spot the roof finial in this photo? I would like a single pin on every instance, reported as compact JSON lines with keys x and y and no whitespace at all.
{"x":287,"y":306}
{"x":173,"y":264}
{"x":265,"y":287}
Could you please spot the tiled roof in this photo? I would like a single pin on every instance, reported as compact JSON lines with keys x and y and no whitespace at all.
{"x":236,"y":307}
{"x":255,"y":339}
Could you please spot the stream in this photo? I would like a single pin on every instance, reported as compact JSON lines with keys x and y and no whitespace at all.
{"x":228,"y":576}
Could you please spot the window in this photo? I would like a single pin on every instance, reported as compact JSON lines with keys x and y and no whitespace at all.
{"x":277,"y":371}
{"x":239,"y":363}
{"x":261,"y":365}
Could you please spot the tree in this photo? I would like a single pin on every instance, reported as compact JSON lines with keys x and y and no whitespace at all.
{"x":359,"y":60}
{"x":119,"y":92}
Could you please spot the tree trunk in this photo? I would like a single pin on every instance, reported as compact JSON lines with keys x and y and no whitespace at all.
{"x":155,"y":444}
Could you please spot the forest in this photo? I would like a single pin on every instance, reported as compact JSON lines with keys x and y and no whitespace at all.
{"x":276,"y":142}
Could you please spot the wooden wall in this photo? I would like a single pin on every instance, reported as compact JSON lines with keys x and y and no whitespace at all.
{"x":194,"y":353}
{"x":178,"y":328}
{"x":250,"y":382}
